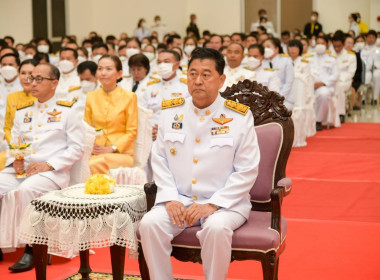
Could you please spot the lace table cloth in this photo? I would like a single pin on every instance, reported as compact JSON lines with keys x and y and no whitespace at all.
{"x":69,"y":219}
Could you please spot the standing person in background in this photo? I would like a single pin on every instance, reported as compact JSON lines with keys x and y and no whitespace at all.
{"x":363,"y":27}
{"x":159,"y":28}
{"x":263,"y":21}
{"x":141,"y":31}
{"x":313,"y":27}
{"x":192,"y":27}
{"x":354,"y":26}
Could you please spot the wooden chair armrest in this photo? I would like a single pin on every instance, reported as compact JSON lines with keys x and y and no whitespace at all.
{"x":150,"y":190}
{"x":278,"y":193}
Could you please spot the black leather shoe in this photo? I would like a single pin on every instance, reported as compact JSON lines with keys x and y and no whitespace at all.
{"x":342,"y":118}
{"x":25,"y":263}
{"x":318,"y":126}
{"x":356,"y":108}
{"x":1,"y":255}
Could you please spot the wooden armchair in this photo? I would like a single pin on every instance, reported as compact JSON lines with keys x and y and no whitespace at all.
{"x":263,"y":236}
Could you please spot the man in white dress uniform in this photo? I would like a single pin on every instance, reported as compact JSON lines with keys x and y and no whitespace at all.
{"x":205,"y":161}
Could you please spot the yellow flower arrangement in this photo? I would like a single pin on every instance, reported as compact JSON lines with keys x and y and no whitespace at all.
{"x":99,"y":184}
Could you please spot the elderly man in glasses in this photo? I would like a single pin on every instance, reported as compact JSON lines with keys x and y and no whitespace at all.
{"x":55,"y":134}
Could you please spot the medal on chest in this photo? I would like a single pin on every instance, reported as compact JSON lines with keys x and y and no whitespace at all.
{"x":28,"y":117}
{"x":177,"y":124}
{"x":54,"y":116}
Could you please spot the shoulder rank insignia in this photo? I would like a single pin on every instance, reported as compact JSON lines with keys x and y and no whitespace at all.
{"x":222,"y":120}
{"x":169,"y":103}
{"x":24,"y":105}
{"x":249,"y":68}
{"x":183,"y":80}
{"x":351,"y":52}
{"x":269,"y":69}
{"x":153,"y":81}
{"x":305,"y":60}
{"x":332,"y":55}
{"x":237,"y":107}
{"x":67,"y":103}
{"x":284,"y":55}
{"x":328,"y":52}
{"x":306,"y":55}
{"x":126,"y":76}
{"x":74,"y":88}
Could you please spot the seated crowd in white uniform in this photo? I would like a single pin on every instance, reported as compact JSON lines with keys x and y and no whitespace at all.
{"x":44,"y":95}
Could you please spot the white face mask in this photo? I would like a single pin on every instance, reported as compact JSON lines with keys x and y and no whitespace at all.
{"x":43,"y":48}
{"x":165,"y":70}
{"x":155,"y":45}
{"x":149,"y":55}
{"x":143,"y":25}
{"x":96,"y":58}
{"x":313,"y":42}
{"x":131,"y":51}
{"x":8,"y":72}
{"x":268,"y":53}
{"x":123,"y":58}
{"x":143,"y":46}
{"x":81,"y":59}
{"x":21,"y":54}
{"x":200,"y":45}
{"x":359,"y":46}
{"x":313,"y":18}
{"x":87,"y":86}
{"x":66,"y":66}
{"x":158,"y":22}
{"x":320,"y":49}
{"x":253,"y":62}
{"x":189,"y":49}
{"x":89,"y":50}
{"x":28,"y":56}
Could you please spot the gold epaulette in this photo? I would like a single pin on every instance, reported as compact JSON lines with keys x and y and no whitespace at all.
{"x":249,"y":68}
{"x":351,"y":52}
{"x":66,"y":103}
{"x":126,"y":76}
{"x":74,"y":88}
{"x":237,"y":107}
{"x":153,"y":82}
{"x":334,"y":56}
{"x":183,"y":80}
{"x":307,"y":55}
{"x":24,"y":105}
{"x":305,"y":60}
{"x":268,"y":69}
{"x":169,"y":103}
{"x":53,"y":54}
{"x":328,"y":52}
{"x":245,"y":54}
{"x":284,"y":55}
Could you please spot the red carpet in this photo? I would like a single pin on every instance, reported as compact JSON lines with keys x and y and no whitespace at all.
{"x":333,"y":214}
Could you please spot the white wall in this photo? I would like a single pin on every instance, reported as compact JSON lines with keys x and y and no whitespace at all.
{"x":334,"y":14}
{"x":116,"y":16}
{"x":16,"y":19}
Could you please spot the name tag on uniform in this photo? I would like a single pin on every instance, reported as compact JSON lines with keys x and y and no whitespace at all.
{"x":220,"y":130}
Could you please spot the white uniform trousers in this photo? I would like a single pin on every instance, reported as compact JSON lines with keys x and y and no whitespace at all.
{"x":341,"y":89}
{"x":323,"y":98}
{"x":15,"y":195}
{"x":215,"y":237}
{"x":376,"y":83}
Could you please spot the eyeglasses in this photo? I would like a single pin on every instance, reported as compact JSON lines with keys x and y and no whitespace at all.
{"x":38,"y":79}
{"x":137,"y":70}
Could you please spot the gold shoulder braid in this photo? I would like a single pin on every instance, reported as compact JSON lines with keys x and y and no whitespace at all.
{"x":66,"y":103}
{"x":169,"y":103}
{"x":24,"y":105}
{"x":237,"y":107}
{"x":153,"y":82}
{"x":183,"y":80}
{"x":74,"y":88}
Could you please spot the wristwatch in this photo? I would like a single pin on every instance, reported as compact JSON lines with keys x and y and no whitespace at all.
{"x":114,"y":149}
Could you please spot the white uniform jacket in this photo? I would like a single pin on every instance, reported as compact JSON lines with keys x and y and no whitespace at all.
{"x":234,"y":75}
{"x":56,"y":136}
{"x":324,"y":69}
{"x":159,"y":90}
{"x":198,"y":159}
{"x":267,"y":77}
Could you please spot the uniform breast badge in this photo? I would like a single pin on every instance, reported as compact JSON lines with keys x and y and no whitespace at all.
{"x":28,"y":118}
{"x":220,"y":130}
{"x":177,"y":124}
{"x":222,"y":120}
{"x":54,"y":116}
{"x":176,"y":94}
